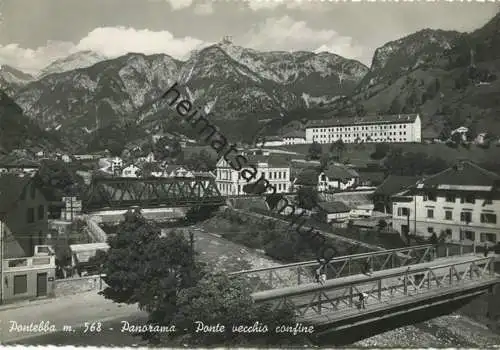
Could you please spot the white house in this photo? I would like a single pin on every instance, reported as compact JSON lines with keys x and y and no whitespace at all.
{"x":116,"y":164}
{"x":481,"y":138}
{"x":272,"y":168}
{"x":363,"y":211}
{"x":294,"y":137}
{"x":392,"y":128}
{"x":462,"y":131}
{"x":334,"y":211}
{"x":130,"y":171}
{"x":462,"y":202}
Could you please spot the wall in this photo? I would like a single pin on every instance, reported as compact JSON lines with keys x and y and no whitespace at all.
{"x":28,"y":234}
{"x":70,"y":286}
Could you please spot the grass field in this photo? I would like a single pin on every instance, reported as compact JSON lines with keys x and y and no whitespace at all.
{"x":360,"y":154}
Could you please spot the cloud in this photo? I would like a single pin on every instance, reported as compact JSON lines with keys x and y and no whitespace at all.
{"x":258,"y":5}
{"x":287,"y":34}
{"x":107,"y":41}
{"x":117,"y":41}
{"x":179,"y":4}
{"x":204,"y":9}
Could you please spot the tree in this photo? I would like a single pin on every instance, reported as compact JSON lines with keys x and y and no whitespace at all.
{"x":142,"y":267}
{"x":381,"y":150}
{"x":201,"y":161}
{"x":307,"y":197}
{"x":57,"y":180}
{"x":220,"y":299}
{"x":166,"y":148}
{"x":255,"y":188}
{"x":338,"y":146}
{"x":381,"y":225}
{"x":412,"y":163}
{"x":315,"y":151}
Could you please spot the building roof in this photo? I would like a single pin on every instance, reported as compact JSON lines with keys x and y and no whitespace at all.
{"x":295,"y":133}
{"x":273,"y":160}
{"x":376,"y":119}
{"x":464,"y":173}
{"x":308,"y":176}
{"x":333,"y":207}
{"x":273,"y":138}
{"x":394,"y":184}
{"x":340,"y":172}
{"x":11,"y":187}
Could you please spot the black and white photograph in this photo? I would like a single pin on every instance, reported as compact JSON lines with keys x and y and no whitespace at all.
{"x":249,"y":174}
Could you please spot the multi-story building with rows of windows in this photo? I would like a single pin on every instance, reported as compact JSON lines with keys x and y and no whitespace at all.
{"x":392,"y":128}
{"x":273,"y":168}
{"x":462,"y":202}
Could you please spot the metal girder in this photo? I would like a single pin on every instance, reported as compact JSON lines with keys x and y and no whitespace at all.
{"x":383,"y":288}
{"x":300,"y":273}
{"x":121,"y":193}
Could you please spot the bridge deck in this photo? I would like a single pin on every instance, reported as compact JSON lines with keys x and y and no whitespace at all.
{"x":337,"y":299}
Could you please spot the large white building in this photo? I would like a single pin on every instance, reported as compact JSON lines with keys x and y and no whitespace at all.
{"x":462,"y":202}
{"x":392,"y":128}
{"x":274,"y":168}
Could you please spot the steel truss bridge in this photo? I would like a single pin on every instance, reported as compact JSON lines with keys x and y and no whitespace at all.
{"x":406,"y":286}
{"x":123,"y":193}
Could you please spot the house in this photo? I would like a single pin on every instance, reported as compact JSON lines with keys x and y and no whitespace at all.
{"x":14,"y":164}
{"x":28,"y":277}
{"x":81,"y":253}
{"x":116,"y":165}
{"x":462,"y":131}
{"x":333,"y":211}
{"x":382,"y":197}
{"x":23,"y":212}
{"x":295,"y":137}
{"x":337,"y":177}
{"x":173,"y":170}
{"x":481,"y":138}
{"x":461,"y":202}
{"x":131,"y":171}
{"x":391,"y":128}
{"x":273,"y":168}
{"x":430,"y":135}
{"x":371,"y":178}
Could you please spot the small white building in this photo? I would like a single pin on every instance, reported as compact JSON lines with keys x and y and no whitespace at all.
{"x":130,"y":171}
{"x":362,"y":211}
{"x":333,"y":211}
{"x":116,"y":165}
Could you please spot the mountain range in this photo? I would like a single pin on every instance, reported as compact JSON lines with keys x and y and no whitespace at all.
{"x":449,"y":77}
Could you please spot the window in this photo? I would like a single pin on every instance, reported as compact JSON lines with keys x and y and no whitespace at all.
{"x":469,"y":235}
{"x":488,"y":218}
{"x":488,"y":201}
{"x":448,"y":215}
{"x":466,"y":216}
{"x":430,"y":229}
{"x":468,"y":199}
{"x":448,"y":232}
{"x":431,"y":197}
{"x":30,"y":215}
{"x":20,"y":284}
{"x":41,"y":212}
{"x":488,"y":237}
{"x":430,"y":213}
{"x":403,"y":211}
{"x":450,"y":198}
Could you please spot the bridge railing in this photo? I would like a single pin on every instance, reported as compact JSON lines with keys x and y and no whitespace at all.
{"x":303,"y":272}
{"x":342,"y":296}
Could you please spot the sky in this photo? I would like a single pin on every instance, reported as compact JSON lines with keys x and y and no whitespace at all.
{"x":34,"y":33}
